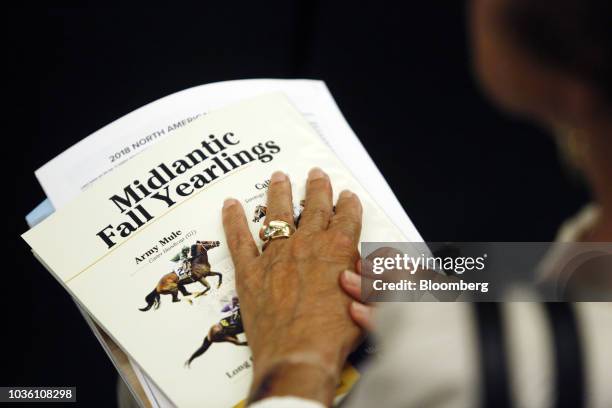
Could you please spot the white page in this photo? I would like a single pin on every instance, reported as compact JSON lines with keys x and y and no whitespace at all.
{"x":156,"y":397}
{"x":65,"y":176}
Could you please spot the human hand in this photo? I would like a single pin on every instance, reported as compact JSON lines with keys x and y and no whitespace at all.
{"x":361,"y":312}
{"x":295,"y":315}
{"x":354,"y":284}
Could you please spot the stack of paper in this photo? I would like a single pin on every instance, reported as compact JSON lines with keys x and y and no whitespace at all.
{"x":85,"y":164}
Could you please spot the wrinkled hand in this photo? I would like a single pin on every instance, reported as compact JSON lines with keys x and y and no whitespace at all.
{"x":295,"y":315}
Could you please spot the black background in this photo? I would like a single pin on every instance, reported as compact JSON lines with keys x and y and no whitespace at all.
{"x":402,"y":77}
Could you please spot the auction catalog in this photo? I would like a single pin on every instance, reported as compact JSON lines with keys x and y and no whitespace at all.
{"x":135,"y":227}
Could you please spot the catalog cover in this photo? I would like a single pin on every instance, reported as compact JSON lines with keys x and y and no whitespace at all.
{"x":143,"y":250}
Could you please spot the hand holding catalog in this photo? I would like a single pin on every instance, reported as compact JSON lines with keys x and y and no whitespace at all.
{"x":202,"y":171}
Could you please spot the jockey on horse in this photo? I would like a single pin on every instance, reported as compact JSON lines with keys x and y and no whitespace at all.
{"x":227,"y":330}
{"x":183,"y":271}
{"x":194,"y":268}
{"x":234,"y":319}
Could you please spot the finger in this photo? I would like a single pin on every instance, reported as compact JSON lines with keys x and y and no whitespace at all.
{"x":279,"y":206}
{"x":363,"y":315}
{"x":239,"y":239}
{"x":347,"y":217}
{"x":364,"y":267}
{"x":368,"y":264}
{"x":318,"y":207}
{"x":356,"y":286}
{"x":351,"y":284}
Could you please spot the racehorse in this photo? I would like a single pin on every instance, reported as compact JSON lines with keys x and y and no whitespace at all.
{"x":259,"y":213}
{"x":227,"y":330}
{"x":261,"y":210}
{"x":169,"y":284}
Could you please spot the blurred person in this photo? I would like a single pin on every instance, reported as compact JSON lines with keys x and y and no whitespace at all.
{"x":548,"y":61}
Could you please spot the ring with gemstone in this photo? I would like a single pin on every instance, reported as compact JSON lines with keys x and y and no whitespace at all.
{"x":275,"y":229}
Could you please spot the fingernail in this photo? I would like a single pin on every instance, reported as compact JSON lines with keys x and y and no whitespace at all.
{"x":229,"y":202}
{"x":277,"y":177}
{"x":360,"y":308}
{"x":352,"y":278}
{"x":346,"y":194}
{"x":315,"y":173}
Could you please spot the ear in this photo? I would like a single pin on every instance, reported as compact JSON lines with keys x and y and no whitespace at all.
{"x":578,"y":102}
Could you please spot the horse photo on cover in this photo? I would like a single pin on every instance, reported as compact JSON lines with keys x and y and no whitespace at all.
{"x":193,"y":267}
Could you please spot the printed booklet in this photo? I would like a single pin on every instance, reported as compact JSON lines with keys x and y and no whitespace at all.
{"x":142,"y":249}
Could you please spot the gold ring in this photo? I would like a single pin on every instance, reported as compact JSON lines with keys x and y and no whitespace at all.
{"x":275,"y":229}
